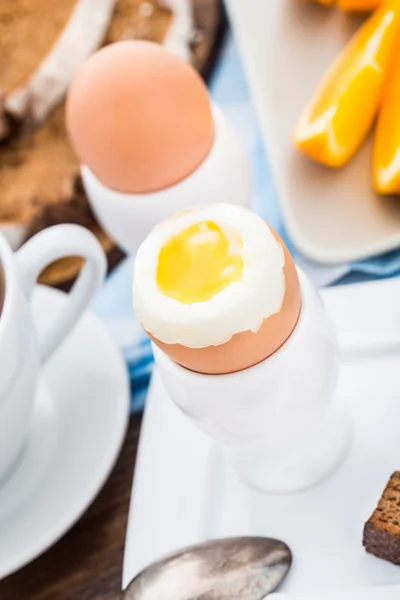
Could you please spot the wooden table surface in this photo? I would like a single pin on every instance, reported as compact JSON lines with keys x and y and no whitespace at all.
{"x":86,"y":564}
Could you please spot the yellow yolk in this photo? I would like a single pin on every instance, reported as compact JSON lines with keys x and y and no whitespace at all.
{"x":199,"y":262}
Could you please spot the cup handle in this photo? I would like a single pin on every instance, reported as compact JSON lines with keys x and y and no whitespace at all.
{"x":51,"y":244}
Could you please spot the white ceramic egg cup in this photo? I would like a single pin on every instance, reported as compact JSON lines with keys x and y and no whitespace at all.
{"x":223,"y":176}
{"x":273,"y":419}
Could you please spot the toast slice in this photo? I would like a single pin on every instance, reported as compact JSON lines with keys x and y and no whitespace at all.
{"x":42,"y":46}
{"x":382,"y":530}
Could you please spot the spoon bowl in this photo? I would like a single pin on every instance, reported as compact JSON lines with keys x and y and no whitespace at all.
{"x":245,"y":567}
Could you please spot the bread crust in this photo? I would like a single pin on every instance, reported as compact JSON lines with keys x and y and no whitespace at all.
{"x":382,"y":530}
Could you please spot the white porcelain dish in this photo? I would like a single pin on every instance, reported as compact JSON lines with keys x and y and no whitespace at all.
{"x":184,"y":492}
{"x":79,"y":423}
{"x":286,"y":47}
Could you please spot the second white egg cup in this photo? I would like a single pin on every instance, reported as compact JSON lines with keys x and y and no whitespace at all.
{"x":275,"y":419}
{"x":223,"y":176}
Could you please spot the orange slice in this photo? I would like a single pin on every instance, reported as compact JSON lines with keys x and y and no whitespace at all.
{"x":341,"y":113}
{"x":358,"y":6}
{"x":386,"y":161}
{"x":322,"y":2}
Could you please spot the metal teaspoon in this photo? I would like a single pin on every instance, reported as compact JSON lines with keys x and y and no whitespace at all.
{"x":245,"y":568}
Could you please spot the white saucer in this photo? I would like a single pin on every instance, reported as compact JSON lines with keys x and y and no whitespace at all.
{"x":79,"y":424}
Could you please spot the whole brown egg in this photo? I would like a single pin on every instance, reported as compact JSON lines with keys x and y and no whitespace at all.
{"x":139,"y":117}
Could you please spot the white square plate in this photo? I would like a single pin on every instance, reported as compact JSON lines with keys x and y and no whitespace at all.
{"x":184,"y":492}
{"x":286,"y":47}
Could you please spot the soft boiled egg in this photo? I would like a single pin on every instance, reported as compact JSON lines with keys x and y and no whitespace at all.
{"x":216,"y":289}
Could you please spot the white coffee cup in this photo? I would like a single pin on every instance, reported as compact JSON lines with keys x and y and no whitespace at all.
{"x":22,"y":349}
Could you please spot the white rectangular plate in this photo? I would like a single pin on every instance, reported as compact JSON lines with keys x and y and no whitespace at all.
{"x":286,"y":47}
{"x":184,"y":492}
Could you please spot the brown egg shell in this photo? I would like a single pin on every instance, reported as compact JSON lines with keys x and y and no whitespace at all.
{"x":245,"y":349}
{"x":139,"y":117}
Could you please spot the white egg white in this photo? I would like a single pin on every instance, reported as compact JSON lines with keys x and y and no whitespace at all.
{"x":241,"y":306}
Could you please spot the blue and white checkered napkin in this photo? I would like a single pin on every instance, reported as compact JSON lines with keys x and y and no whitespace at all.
{"x":114,"y":303}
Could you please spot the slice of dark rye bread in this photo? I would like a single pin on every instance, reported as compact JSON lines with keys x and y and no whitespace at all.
{"x":382,"y":530}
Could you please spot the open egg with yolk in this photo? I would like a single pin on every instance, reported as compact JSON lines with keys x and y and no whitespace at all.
{"x":199,"y":262}
{"x":216,"y":289}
